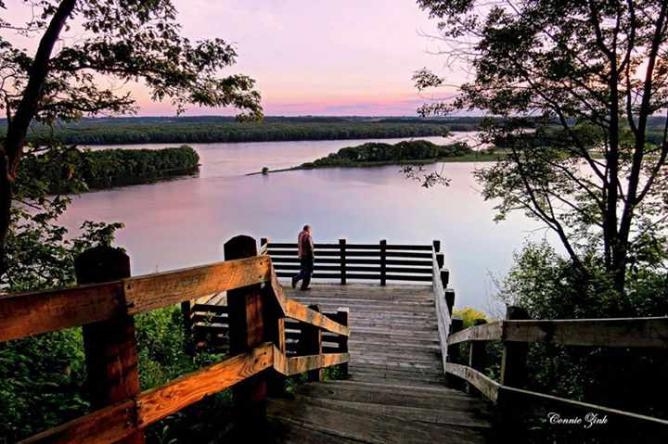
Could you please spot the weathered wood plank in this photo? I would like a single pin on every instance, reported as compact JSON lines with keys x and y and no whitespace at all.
{"x":116,"y":422}
{"x":301,"y":364}
{"x":296,"y":310}
{"x":146,"y":293}
{"x":623,"y":332}
{"x":487,"y":332}
{"x":377,"y":429}
{"x":27,"y":314}
{"x":488,"y":387}
{"x":158,"y":403}
{"x":104,"y":426}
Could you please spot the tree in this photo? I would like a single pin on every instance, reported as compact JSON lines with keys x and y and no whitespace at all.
{"x":590,"y":74}
{"x":130,"y":41}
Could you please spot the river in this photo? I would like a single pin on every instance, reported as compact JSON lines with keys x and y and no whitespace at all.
{"x":184,"y":222}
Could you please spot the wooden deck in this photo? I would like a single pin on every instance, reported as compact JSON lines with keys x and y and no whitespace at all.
{"x":396,"y":391}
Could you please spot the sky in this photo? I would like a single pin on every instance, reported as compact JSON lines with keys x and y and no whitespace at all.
{"x":316,"y":57}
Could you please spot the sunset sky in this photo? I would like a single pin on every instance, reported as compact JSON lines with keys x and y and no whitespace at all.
{"x":344,"y":57}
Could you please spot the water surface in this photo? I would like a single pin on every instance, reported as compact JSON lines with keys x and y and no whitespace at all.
{"x":184,"y":222}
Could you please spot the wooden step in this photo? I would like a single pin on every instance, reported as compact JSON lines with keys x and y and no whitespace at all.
{"x":350,"y":421}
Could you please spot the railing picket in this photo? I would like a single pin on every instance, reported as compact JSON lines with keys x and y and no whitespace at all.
{"x":450,"y":299}
{"x":383,"y":262}
{"x":110,"y":345}
{"x":342,"y":252}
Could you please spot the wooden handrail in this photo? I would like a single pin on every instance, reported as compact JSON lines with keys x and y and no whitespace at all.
{"x":28,"y":314}
{"x":118,"y":421}
{"x":651,"y":332}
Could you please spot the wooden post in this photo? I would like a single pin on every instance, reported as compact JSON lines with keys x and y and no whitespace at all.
{"x":342,"y":254}
{"x":186,"y":311}
{"x":342,"y":315}
{"x":509,"y":413}
{"x":437,"y":246}
{"x":477,"y":355}
{"x":440,"y":260}
{"x":311,"y":344}
{"x":445,"y":277}
{"x":454,"y":355}
{"x":383,"y":262}
{"x":514,"y":359}
{"x":450,"y":299}
{"x":247,"y":331}
{"x":110,"y":346}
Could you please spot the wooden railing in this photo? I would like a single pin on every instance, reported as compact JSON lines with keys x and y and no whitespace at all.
{"x":516,"y":332}
{"x":343,"y":261}
{"x":209,"y":327}
{"x":257,"y":312}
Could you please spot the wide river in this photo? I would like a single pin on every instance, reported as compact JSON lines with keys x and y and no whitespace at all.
{"x":184,"y":222}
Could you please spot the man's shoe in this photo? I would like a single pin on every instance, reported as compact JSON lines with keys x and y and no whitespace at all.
{"x":294,"y":283}
{"x":305,"y":289}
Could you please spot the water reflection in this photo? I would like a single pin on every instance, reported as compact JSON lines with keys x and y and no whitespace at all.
{"x":184,"y":222}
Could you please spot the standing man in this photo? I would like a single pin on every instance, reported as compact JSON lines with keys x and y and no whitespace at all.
{"x":305,"y":246}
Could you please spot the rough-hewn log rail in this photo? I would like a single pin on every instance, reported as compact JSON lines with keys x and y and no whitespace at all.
{"x":27,"y":314}
{"x":621,"y":333}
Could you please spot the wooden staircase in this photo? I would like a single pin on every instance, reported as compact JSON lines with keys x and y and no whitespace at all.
{"x":395,"y":392}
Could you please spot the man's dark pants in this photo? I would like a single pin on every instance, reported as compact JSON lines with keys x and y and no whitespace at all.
{"x":305,"y":272}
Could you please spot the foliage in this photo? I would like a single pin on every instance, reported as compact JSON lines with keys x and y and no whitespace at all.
{"x":383,"y":153}
{"x":70,"y":170}
{"x":549,"y":287}
{"x":205,"y":129}
{"x":598,"y":70}
{"x":42,"y":378}
{"x":469,"y":315}
{"x":84,"y":41}
{"x":41,"y":383}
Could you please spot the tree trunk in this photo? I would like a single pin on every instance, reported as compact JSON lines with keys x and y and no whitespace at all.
{"x":5,"y":209}
{"x":17,"y":128}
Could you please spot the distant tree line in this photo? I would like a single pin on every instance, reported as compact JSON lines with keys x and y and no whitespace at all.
{"x":220,"y":129}
{"x":77,"y":170}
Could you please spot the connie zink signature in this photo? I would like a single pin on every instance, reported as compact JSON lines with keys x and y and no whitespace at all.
{"x":587,"y":421}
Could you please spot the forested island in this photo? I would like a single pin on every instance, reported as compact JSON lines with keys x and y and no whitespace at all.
{"x":83,"y":170}
{"x":407,"y":152}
